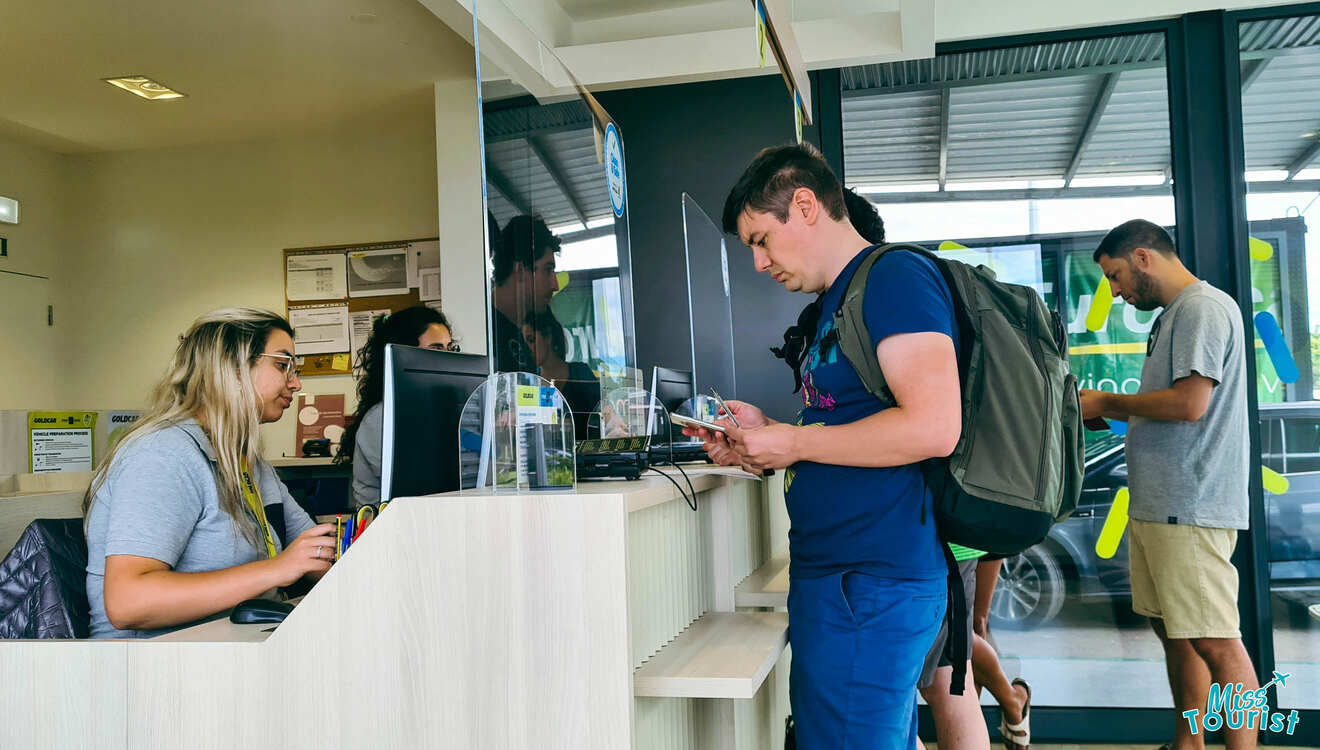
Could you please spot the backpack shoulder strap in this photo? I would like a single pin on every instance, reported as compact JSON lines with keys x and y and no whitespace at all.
{"x":850,"y":322}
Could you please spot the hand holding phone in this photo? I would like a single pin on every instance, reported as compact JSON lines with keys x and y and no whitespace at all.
{"x":686,"y":421}
{"x":1096,"y":424}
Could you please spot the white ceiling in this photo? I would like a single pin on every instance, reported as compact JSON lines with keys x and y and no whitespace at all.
{"x":251,"y":68}
{"x":624,"y":43}
{"x":587,"y":10}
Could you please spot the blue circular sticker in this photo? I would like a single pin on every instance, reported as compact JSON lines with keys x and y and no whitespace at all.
{"x":614,"y":169}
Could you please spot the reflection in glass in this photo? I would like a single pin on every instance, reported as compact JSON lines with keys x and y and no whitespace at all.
{"x":558,"y":244}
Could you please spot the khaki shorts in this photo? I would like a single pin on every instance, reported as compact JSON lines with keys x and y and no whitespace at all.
{"x":1183,"y":575}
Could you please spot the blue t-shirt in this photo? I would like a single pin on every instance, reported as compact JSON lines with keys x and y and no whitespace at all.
{"x":850,"y":517}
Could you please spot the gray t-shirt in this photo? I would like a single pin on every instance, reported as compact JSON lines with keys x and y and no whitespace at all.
{"x":159,"y":500}
{"x":1194,"y":472}
{"x":366,"y":456}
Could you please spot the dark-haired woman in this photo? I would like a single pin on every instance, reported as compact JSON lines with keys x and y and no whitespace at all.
{"x":415,"y":326}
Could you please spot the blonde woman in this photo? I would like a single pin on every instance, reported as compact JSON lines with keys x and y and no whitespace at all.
{"x":184,"y":518}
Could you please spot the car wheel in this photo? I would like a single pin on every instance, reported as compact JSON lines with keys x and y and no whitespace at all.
{"x":1030,"y":591}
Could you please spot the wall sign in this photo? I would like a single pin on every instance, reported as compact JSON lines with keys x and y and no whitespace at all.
{"x":614,"y":176}
{"x":60,"y":441}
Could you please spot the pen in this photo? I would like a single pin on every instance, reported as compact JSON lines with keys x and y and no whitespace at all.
{"x":725,"y":407}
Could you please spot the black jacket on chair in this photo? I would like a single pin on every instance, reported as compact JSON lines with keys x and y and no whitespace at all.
{"x":43,"y":582}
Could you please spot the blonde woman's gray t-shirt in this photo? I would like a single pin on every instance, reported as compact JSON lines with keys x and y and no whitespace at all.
{"x":159,"y":500}
{"x":1194,"y":472}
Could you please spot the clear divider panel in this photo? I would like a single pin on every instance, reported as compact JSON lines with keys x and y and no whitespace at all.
{"x":516,"y":434}
{"x":556,"y":207}
{"x":710,"y":302}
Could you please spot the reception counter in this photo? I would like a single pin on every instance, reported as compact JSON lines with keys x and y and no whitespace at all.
{"x":607,"y":617}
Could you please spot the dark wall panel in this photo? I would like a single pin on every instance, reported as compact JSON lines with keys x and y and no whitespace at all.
{"x":697,"y":138}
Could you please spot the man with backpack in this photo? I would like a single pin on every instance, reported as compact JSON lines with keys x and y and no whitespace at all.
{"x":867,"y":571}
{"x":1187,"y":458}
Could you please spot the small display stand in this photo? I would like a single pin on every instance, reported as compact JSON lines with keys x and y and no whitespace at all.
{"x":627,"y":412}
{"x":515,"y":435}
{"x":620,"y":434}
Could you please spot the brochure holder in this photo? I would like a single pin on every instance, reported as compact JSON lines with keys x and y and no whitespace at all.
{"x":516,"y":435}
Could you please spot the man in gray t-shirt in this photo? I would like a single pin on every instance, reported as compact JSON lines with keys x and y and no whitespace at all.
{"x":1187,"y":467}
{"x":1193,"y":472}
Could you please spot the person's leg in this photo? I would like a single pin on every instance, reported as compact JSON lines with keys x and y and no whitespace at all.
{"x":1211,"y":622}
{"x":959,"y":724}
{"x":858,"y":642}
{"x":1189,"y":680}
{"x":1229,"y":664}
{"x":958,"y":719}
{"x":1189,"y":677}
{"x":987,"y":575}
{"x":1012,"y":699}
{"x":824,"y":640}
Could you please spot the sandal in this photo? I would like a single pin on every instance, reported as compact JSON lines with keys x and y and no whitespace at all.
{"x":1017,"y":735}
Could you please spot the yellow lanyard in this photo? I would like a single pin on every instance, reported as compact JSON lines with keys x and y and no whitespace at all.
{"x":252,"y":495}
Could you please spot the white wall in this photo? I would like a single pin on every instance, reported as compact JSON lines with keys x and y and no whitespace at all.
{"x":463,"y":275}
{"x":980,"y":19}
{"x":38,"y":180}
{"x":166,"y":235}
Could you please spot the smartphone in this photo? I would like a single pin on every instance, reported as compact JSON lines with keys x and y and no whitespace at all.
{"x":1096,"y":424}
{"x":679,"y":419}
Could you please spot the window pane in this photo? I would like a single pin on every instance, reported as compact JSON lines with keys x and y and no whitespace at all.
{"x":1280,"y":117}
{"x":1021,"y":159}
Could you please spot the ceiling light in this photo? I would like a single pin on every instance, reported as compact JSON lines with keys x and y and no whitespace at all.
{"x":1267,"y":175}
{"x":570,"y":228}
{"x":1308,"y":135}
{"x":8,"y":211}
{"x":1118,"y":180}
{"x":144,"y":87}
{"x":920,"y":187}
{"x":988,"y":185}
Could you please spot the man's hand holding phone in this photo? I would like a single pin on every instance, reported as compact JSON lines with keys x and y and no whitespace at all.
{"x":715,"y":444}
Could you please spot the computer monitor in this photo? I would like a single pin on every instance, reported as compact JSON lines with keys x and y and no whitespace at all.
{"x":670,"y":388}
{"x":425,"y":391}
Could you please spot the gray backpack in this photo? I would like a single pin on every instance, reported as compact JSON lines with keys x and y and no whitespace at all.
{"x":1017,"y":467}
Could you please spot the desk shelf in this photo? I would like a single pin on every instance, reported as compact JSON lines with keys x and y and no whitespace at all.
{"x":287,"y":462}
{"x":721,"y":655}
{"x":767,"y":586}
